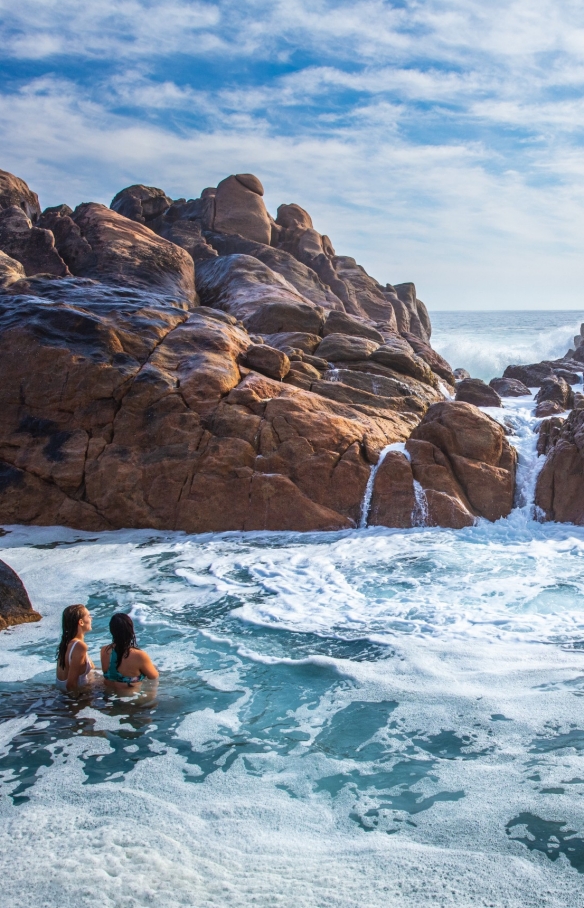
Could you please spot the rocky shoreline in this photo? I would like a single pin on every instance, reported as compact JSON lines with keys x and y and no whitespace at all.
{"x":198,"y":365}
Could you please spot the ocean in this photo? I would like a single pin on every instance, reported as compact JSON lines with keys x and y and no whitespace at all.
{"x":379,"y":717}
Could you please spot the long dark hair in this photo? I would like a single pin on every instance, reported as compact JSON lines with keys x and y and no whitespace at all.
{"x":72,"y":615}
{"x":122,"y":630}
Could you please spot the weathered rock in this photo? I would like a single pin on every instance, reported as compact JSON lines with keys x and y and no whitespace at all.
{"x":397,"y":354}
{"x":15,"y":192}
{"x":569,"y":376}
{"x":532,"y":375}
{"x":267,"y":360}
{"x":436,"y":362}
{"x":293,"y":217}
{"x":11,"y":270}
{"x":141,"y":203}
{"x":15,"y":606}
{"x":32,"y":246}
{"x":340,"y":323}
{"x":558,"y":390}
{"x":509,"y":387}
{"x":337,"y":348}
{"x":239,"y":208}
{"x":299,"y":340}
{"x":475,"y":391}
{"x":464,"y":464}
{"x":393,"y":501}
{"x":461,"y":374}
{"x":549,"y":432}
{"x":189,"y":236}
{"x":548,"y":408}
{"x":411,"y":314}
{"x":111,"y":248}
{"x":560,"y":485}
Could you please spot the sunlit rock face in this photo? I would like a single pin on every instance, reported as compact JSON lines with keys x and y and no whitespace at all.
{"x":195,"y":364}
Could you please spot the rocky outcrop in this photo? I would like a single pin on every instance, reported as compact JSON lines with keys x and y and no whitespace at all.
{"x":15,"y":193}
{"x":557,"y":390}
{"x":509,"y":387}
{"x":239,"y":208}
{"x":461,"y":374}
{"x":535,"y":374}
{"x":462,"y":463}
{"x":560,"y":485}
{"x":474,"y":391}
{"x":32,"y":246}
{"x":548,"y":434}
{"x":15,"y":606}
{"x":10,"y":270}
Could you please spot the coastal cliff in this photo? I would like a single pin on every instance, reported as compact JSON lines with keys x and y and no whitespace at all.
{"x":199,"y":365}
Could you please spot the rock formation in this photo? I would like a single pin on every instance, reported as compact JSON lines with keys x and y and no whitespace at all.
{"x":474,"y":391}
{"x":560,"y":485}
{"x":196,"y":365}
{"x":15,"y":606}
{"x":462,"y":463}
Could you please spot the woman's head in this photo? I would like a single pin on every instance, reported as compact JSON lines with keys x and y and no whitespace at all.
{"x":76,"y":620}
{"x":122,"y":630}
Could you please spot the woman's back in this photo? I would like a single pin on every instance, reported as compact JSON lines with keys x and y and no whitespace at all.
{"x":135,"y":665}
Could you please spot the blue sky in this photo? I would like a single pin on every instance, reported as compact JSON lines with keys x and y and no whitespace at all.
{"x":438,"y":141}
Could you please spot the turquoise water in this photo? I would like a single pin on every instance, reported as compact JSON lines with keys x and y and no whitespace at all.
{"x":373,"y":717}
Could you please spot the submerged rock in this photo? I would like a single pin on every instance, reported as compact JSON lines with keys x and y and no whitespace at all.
{"x":15,"y":605}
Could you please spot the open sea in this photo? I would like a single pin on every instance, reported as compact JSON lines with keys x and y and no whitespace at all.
{"x":371,"y":717}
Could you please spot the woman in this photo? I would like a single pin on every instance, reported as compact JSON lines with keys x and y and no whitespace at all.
{"x":121,"y":660}
{"x":73,"y":664}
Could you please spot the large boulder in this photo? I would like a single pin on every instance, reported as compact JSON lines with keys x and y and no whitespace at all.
{"x":531,"y":375}
{"x":141,"y":203}
{"x":99,"y":243}
{"x":15,"y":192}
{"x":10,"y":271}
{"x":475,"y":391}
{"x":15,"y":606}
{"x":239,"y":208}
{"x":460,"y":465}
{"x":560,"y":485}
{"x":337,"y":348}
{"x":557,"y":390}
{"x":32,"y":246}
{"x":268,"y":360}
{"x":509,"y":387}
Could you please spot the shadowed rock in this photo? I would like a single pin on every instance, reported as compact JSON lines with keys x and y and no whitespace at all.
{"x":560,"y":485}
{"x":475,"y":391}
{"x":32,"y":246}
{"x":509,"y":387}
{"x":15,"y":192}
{"x":557,"y":390}
{"x":15,"y":606}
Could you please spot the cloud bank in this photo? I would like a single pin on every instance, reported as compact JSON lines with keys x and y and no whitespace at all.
{"x":436,"y":140}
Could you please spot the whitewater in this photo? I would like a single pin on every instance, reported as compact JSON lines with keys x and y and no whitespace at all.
{"x":376,"y":716}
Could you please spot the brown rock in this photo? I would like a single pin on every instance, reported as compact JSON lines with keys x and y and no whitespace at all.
{"x":305,"y":369}
{"x":548,"y":408}
{"x":293,"y":217}
{"x":397,"y":354}
{"x":340,"y":323}
{"x":531,"y":375}
{"x":15,"y":606}
{"x":509,"y":387}
{"x":15,"y":192}
{"x":298,"y":340}
{"x":141,"y":203}
{"x":337,"y":348}
{"x":474,"y":391}
{"x":393,"y":501}
{"x":549,"y":432}
{"x":32,"y":246}
{"x":410,"y":312}
{"x":461,"y":374}
{"x":240,"y":209}
{"x":267,"y":360}
{"x":436,"y":362}
{"x":464,"y":464}
{"x":560,"y":485}
{"x":11,"y":270}
{"x":557,"y":390}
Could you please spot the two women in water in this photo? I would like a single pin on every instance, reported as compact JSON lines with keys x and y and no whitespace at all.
{"x":122,"y":662}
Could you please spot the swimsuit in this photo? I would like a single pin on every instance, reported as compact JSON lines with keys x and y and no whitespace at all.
{"x":112,"y":673}
{"x":83,"y":679}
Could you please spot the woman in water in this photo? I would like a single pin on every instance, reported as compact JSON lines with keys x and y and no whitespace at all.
{"x":73,"y":664}
{"x":121,"y":660}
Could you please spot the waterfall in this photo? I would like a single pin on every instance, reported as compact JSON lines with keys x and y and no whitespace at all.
{"x":420,"y":512}
{"x":366,"y":506}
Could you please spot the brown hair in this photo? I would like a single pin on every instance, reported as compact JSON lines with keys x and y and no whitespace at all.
{"x":72,"y":615}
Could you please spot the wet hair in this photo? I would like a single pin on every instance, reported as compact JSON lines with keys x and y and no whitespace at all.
{"x":72,"y":615}
{"x":122,"y":630}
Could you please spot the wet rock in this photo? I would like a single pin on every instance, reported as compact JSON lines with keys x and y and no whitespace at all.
{"x":239,"y":208}
{"x":532,"y":375}
{"x":15,"y":605}
{"x":14,"y":192}
{"x":464,"y":464}
{"x":558,"y":390}
{"x":569,"y":376}
{"x":560,"y":485}
{"x":475,"y":391}
{"x":32,"y":246}
{"x":461,"y":374}
{"x":549,"y":432}
{"x":393,"y":501}
{"x":11,"y":271}
{"x":509,"y":387}
{"x":267,"y":360}
{"x":337,"y":348}
{"x":548,"y":408}
{"x":141,"y":203}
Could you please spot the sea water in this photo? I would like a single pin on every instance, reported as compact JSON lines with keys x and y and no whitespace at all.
{"x":485,"y":343}
{"x":371,"y":717}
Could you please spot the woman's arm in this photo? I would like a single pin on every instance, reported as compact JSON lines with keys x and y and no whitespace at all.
{"x":147,"y":666}
{"x":76,"y":665}
{"x":105,"y":656}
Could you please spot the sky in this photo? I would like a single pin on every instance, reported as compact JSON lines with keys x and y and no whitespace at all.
{"x":438,"y":141}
